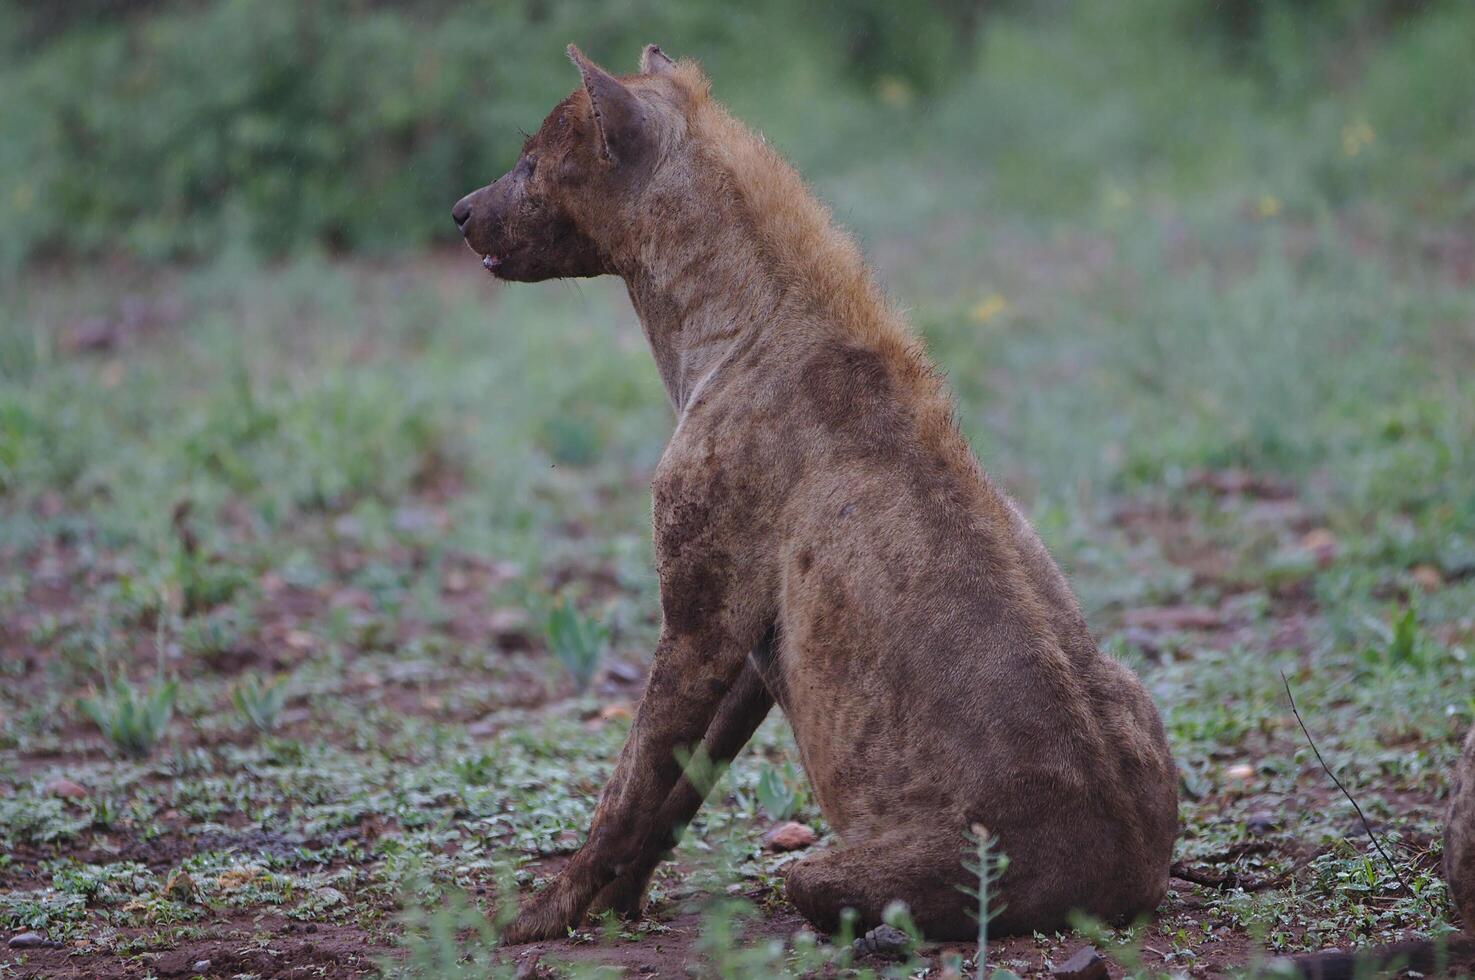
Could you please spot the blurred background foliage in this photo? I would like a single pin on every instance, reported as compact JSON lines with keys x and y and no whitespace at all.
{"x":165,"y":129}
{"x":1198,"y":272}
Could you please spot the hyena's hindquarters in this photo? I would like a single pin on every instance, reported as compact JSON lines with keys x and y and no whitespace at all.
{"x":927,"y":868}
{"x":1459,"y":836}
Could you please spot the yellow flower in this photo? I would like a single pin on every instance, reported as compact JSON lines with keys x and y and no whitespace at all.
{"x":894,"y":92}
{"x":989,"y":307}
{"x":1356,"y":135}
{"x":1269,"y":206}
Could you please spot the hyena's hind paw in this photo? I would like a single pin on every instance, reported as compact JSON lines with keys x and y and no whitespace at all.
{"x":544,"y":916}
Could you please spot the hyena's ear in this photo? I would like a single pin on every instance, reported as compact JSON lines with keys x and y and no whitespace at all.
{"x":653,"y":61}
{"x":618,"y":117}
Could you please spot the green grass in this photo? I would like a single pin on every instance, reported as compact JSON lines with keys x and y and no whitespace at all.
{"x":132,"y":719}
{"x":1145,"y":274}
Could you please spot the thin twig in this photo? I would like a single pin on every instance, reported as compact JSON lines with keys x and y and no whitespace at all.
{"x":1229,"y":882}
{"x":1365,"y":825}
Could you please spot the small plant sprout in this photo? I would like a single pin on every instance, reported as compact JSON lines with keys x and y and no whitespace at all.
{"x":475,"y":770}
{"x":446,"y":934}
{"x":989,"y":868}
{"x":780,"y":791}
{"x":1403,"y":644}
{"x":699,"y":769}
{"x":576,"y":640}
{"x":260,"y":702}
{"x":132,"y":719}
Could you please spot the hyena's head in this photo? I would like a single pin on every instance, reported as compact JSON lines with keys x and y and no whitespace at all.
{"x":567,"y":206}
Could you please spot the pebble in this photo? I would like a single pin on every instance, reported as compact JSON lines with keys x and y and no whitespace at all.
{"x":1241,"y":772}
{"x":883,"y":940}
{"x":1261,"y":822}
{"x":1086,"y":964}
{"x":201,"y":966}
{"x":66,"y":788}
{"x":1322,"y":544}
{"x":1428,"y":578}
{"x":627,"y":672}
{"x":789,"y":836}
{"x":31,"y":940}
{"x":618,"y":710}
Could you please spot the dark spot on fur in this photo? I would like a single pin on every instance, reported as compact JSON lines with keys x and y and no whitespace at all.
{"x":851,"y":392}
{"x":806,"y":559}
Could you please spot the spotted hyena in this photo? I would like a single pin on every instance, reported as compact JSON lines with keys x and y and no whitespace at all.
{"x":825,"y":540}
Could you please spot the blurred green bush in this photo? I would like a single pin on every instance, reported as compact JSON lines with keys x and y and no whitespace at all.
{"x":165,"y":128}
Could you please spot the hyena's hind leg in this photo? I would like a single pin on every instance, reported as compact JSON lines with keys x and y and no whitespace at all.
{"x":921,"y":866}
{"x":743,"y":709}
{"x":1459,"y":836}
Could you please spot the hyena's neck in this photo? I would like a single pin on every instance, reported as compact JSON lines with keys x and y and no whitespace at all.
{"x":699,"y":301}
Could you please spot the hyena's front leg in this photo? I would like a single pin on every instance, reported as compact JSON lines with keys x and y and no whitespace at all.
{"x":741,"y":712}
{"x":689,"y":677}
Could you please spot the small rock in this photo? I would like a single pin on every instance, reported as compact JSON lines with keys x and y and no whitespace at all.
{"x":1322,"y":544}
{"x":410,"y":520}
{"x":528,"y":969}
{"x":1428,"y":578}
{"x":627,"y":673}
{"x":200,"y":966}
{"x":1240,"y":772}
{"x":27,"y":940}
{"x":65,"y":788}
{"x":1086,"y":964}
{"x":485,"y":727}
{"x":1262,"y":822}
{"x":884,"y":940}
{"x":618,"y":709}
{"x":789,"y":836}
{"x":510,"y":628}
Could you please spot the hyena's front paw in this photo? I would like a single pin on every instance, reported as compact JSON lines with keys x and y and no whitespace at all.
{"x":547,"y":915}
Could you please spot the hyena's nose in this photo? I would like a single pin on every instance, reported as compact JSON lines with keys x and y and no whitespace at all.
{"x":460,"y":214}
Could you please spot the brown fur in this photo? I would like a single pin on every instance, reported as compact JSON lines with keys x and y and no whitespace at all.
{"x":825,"y":539}
{"x":1459,"y":836}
